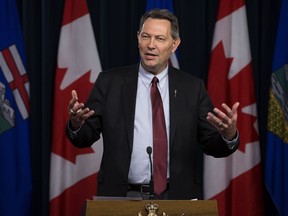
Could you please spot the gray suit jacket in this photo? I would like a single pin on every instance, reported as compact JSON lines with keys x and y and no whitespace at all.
{"x":113,"y":99}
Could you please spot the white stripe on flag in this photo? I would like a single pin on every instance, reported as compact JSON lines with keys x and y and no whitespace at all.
{"x":6,"y":71}
{"x":17,"y":60}
{"x":71,"y":173}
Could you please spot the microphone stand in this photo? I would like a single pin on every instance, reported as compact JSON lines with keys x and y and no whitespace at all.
{"x":151,"y":183}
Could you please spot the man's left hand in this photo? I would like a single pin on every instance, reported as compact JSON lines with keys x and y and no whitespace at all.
{"x":226,"y":123}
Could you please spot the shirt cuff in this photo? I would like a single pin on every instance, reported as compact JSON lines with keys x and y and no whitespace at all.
{"x":232,"y":143}
{"x":73,"y":133}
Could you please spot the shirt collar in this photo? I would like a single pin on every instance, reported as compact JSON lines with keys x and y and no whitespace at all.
{"x":147,"y":76}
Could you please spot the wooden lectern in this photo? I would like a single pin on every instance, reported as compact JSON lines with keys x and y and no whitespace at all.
{"x":138,"y":207}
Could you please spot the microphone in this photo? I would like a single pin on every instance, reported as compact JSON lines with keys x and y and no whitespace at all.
{"x":151,"y":183}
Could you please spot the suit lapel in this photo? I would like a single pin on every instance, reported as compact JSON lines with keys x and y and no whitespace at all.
{"x":129,"y":92}
{"x":174,"y":94}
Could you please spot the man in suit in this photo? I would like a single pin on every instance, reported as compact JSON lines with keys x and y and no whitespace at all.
{"x":119,"y":108}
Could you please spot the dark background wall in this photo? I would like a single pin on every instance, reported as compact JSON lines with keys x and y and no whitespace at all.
{"x":115,"y":25}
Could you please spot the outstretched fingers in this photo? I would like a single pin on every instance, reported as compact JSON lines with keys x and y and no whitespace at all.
{"x":225,"y":121}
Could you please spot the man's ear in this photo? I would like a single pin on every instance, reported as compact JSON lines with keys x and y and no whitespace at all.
{"x":176,"y":43}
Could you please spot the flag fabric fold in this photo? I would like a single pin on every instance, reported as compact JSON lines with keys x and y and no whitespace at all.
{"x":164,"y":4}
{"x":15,"y":166}
{"x":73,"y":172}
{"x":276,"y":166}
{"x":236,"y":181}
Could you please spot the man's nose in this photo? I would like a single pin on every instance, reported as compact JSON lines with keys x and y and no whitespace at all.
{"x":151,"y":43}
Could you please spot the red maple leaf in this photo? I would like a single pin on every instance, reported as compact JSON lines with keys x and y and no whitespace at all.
{"x":60,"y":144}
{"x":239,"y":88}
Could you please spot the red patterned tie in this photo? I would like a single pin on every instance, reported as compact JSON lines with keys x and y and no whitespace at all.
{"x":159,"y":140}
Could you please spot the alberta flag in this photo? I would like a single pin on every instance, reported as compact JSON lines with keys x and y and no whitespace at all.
{"x":164,"y":4}
{"x":73,"y":171}
{"x":15,"y":170}
{"x":276,"y":176}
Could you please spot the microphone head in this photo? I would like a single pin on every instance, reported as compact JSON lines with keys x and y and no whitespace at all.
{"x":149,"y":150}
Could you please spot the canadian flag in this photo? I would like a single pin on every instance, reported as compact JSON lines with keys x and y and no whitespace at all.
{"x":236,"y":181}
{"x":73,"y":171}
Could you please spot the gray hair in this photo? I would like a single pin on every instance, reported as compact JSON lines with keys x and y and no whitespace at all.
{"x":162,"y":14}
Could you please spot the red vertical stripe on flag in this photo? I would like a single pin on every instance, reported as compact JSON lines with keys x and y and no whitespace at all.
{"x":64,"y":205}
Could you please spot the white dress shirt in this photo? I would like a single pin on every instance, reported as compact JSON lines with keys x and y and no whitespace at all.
{"x":139,"y":171}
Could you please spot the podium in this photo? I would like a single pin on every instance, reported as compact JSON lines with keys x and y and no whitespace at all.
{"x":138,"y":207}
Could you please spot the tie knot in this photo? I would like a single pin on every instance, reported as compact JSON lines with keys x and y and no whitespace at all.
{"x":154,"y":80}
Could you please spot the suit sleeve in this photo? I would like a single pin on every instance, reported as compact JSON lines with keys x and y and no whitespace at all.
{"x":92,"y":127}
{"x":210,"y":139}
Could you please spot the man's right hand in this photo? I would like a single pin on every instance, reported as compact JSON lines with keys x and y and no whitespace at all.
{"x":77,"y":113}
